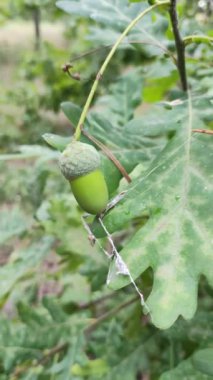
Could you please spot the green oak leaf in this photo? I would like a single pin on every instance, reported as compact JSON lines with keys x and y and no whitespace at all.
{"x":28,"y":259}
{"x":56,"y":141}
{"x":176,"y":192}
{"x":115,"y":14}
{"x":112,"y":17}
{"x":203,"y":361}
{"x":12,"y":223}
{"x":184,"y":370}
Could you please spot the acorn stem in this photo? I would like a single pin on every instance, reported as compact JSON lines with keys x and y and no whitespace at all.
{"x":109,"y":154}
{"x":106,"y":62}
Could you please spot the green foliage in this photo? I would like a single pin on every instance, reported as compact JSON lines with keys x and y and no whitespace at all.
{"x":112,"y":18}
{"x":184,"y":370}
{"x":169,"y":192}
{"x":24,"y":8}
{"x":12,"y":223}
{"x":202,"y":361}
{"x":26,"y":260}
{"x":36,"y":332}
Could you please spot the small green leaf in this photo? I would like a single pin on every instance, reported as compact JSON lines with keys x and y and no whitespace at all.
{"x":13,"y":223}
{"x":28,"y":258}
{"x":184,"y":370}
{"x":118,"y":106}
{"x":30,"y":316}
{"x":54,"y":308}
{"x":95,"y":368}
{"x":56,"y":141}
{"x":72,"y":112}
{"x":202,"y":360}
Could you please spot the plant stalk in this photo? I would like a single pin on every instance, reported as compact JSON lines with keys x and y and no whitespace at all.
{"x":129,"y":42}
{"x":180,"y":46}
{"x":37,"y":27}
{"x":106,"y":62}
{"x":109,"y":314}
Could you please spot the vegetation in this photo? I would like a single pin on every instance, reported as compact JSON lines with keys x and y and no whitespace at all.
{"x":125,"y":294}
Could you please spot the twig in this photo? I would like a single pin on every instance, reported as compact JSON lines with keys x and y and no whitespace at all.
{"x":43,"y":360}
{"x":109,"y":154}
{"x":109,"y":314}
{"x":180,"y":46}
{"x":98,"y":301}
{"x":206,"y":131}
{"x":36,"y":13}
{"x":52,"y":352}
{"x":129,"y":42}
{"x":55,"y":350}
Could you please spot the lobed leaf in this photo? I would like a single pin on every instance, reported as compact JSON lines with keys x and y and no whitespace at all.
{"x":28,"y":258}
{"x":12,"y":223}
{"x":176,"y":192}
{"x":184,"y":370}
{"x":113,"y":17}
{"x":203,"y":361}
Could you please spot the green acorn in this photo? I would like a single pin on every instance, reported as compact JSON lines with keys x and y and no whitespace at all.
{"x":80,"y":164}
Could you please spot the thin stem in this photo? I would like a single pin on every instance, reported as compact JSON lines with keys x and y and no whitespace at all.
{"x":109,"y":314}
{"x":37,"y":23}
{"x":53,"y":351}
{"x":98,"y":301}
{"x":106,"y":62}
{"x":206,"y":131}
{"x":109,"y":154}
{"x":171,"y":354}
{"x":180,"y":46}
{"x":209,"y":8}
{"x":129,"y":42}
{"x":198,"y":39}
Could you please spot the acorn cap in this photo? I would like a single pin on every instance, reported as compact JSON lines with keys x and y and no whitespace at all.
{"x":78,"y":159}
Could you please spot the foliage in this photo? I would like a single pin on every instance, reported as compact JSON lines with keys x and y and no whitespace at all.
{"x":58,"y":319}
{"x":172,"y":192}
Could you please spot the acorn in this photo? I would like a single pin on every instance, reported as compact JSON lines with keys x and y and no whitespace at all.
{"x":80,"y":164}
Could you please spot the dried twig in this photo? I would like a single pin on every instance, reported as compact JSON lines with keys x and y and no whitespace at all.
{"x":129,"y":42}
{"x":206,"y":131}
{"x":52,"y":352}
{"x":109,"y":314}
{"x":109,"y":154}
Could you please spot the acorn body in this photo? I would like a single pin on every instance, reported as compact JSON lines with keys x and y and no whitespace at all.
{"x":80,"y":164}
{"x":91,"y":192}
